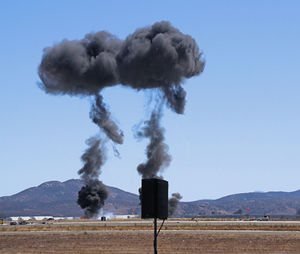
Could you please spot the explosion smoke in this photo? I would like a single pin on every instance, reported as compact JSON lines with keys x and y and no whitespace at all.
{"x":173,"y":202}
{"x":157,"y":151}
{"x":100,"y":116}
{"x":80,"y":67}
{"x":158,"y":56}
{"x":91,"y":197}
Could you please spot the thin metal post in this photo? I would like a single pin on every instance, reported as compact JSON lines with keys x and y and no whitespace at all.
{"x":155,"y":236}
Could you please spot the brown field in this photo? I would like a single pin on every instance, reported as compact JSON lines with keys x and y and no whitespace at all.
{"x":137,"y":237}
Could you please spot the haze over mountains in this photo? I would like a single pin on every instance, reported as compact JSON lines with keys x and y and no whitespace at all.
{"x":59,"y":199}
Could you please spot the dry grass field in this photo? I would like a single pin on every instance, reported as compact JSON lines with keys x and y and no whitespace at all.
{"x":114,"y":237}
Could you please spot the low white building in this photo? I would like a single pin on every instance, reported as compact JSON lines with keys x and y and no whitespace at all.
{"x":126,"y":216}
{"x":64,"y":218}
{"x":45,"y":217}
{"x":18,"y":218}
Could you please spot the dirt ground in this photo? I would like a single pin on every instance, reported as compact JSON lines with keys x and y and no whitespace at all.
{"x":125,"y":239}
{"x":140,"y":241}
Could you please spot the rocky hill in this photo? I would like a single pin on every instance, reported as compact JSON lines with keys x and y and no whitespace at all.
{"x":59,"y":199}
{"x":253,"y":203}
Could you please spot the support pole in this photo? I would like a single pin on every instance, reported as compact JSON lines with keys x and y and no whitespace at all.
{"x":155,"y":236}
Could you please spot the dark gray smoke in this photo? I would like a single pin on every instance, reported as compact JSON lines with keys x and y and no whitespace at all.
{"x":92,"y":195}
{"x":173,"y":202}
{"x":81,"y":66}
{"x":100,"y":116}
{"x":158,"y":56}
{"x":175,"y":96}
{"x":157,"y":151}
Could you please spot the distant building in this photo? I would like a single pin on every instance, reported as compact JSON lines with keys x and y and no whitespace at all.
{"x":49,"y":217}
{"x":42,"y":217}
{"x":17,"y":218}
{"x":126,"y":216}
{"x":65,"y":218}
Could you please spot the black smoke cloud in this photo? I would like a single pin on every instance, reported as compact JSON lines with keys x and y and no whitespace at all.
{"x":92,"y":195}
{"x":80,"y":67}
{"x":157,"y":57}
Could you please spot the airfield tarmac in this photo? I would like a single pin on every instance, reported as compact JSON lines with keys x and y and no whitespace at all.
{"x":136,"y":236}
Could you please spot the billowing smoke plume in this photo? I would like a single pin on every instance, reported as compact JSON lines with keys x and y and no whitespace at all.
{"x":158,"y":56}
{"x":100,"y":116}
{"x":92,"y":195}
{"x":173,"y":202}
{"x":157,"y":151}
{"x":80,"y":67}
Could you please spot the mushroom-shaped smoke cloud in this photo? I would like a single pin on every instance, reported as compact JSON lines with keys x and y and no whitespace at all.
{"x":157,"y":56}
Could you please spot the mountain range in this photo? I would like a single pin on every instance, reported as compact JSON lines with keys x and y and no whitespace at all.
{"x":59,"y":199}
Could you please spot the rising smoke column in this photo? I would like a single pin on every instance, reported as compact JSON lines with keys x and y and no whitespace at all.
{"x":157,"y":56}
{"x":157,"y":151}
{"x":85,"y":67}
{"x":102,"y":117}
{"x":161,"y":57}
{"x":92,"y":195}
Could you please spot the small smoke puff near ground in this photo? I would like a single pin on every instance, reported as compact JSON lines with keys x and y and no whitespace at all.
{"x":157,"y":57}
{"x":173,"y":202}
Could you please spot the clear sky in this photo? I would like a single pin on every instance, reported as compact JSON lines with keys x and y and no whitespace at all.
{"x":241,"y":128}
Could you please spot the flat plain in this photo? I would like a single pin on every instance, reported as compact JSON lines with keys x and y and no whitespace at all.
{"x":136,"y":236}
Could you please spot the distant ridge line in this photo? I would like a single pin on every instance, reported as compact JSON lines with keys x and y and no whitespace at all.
{"x":59,"y":199}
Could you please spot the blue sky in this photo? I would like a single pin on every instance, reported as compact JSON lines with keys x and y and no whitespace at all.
{"x":240,"y":130}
